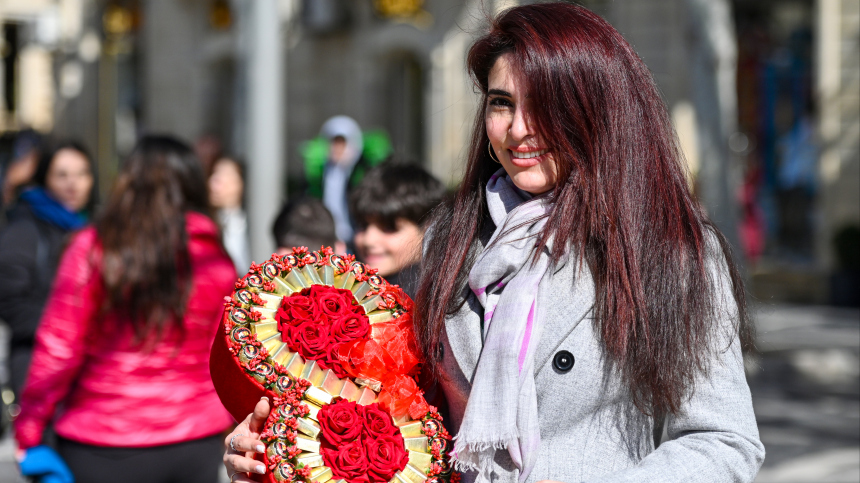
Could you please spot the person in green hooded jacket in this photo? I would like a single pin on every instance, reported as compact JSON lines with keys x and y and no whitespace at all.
{"x":336,"y":161}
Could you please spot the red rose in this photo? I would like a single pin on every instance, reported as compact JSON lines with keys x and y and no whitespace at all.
{"x":377,"y":422}
{"x":341,"y":422}
{"x":329,"y":300}
{"x":349,"y":327}
{"x":348,"y":461}
{"x":310,"y":339}
{"x":386,"y":455}
{"x":294,"y":310}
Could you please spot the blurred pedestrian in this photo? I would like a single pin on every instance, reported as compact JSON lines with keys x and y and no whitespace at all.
{"x":39,"y":224}
{"x":124,"y":341}
{"x":226,"y":195}
{"x":20,"y":169}
{"x":335,"y":163}
{"x":305,"y":222}
{"x":390,"y":207}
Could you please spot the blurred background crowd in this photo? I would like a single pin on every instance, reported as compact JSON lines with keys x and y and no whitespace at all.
{"x":343,"y":121}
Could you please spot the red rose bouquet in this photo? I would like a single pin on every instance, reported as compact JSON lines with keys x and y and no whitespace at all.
{"x":317,"y":321}
{"x":331,"y":344}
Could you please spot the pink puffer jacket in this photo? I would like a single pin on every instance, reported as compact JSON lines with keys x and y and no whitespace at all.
{"x":114,"y":393}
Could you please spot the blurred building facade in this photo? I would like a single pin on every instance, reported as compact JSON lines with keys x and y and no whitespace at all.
{"x":798,"y":87}
{"x":763,"y":93}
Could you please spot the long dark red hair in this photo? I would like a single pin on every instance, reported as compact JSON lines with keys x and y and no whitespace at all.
{"x":621,"y":201}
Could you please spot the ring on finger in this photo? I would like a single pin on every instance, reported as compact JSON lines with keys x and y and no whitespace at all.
{"x":232,"y":440}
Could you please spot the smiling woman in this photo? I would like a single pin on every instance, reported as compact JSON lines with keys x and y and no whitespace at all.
{"x":575,"y":303}
{"x":575,"y":300}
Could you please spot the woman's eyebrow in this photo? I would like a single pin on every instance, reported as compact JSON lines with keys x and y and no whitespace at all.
{"x":499,"y":92}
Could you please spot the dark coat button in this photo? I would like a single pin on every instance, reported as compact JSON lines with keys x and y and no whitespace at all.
{"x":563,"y":361}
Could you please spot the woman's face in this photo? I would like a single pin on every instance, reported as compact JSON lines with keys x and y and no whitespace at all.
{"x":70,"y":179}
{"x":525,"y":156}
{"x":225,"y":185}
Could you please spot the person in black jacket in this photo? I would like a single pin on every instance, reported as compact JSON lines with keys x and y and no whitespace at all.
{"x":32,"y":241}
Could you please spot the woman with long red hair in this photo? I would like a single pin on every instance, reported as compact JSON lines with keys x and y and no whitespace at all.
{"x":576,"y":304}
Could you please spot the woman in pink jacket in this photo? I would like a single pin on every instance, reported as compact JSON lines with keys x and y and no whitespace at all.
{"x":120,"y":363}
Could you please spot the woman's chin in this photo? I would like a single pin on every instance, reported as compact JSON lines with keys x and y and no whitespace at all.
{"x":534,"y":183}
{"x":536,"y":179}
{"x":381,"y":263}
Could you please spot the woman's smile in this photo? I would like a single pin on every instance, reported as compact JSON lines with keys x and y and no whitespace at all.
{"x":529,"y":158}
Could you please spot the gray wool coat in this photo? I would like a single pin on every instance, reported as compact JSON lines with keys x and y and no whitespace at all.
{"x":590,"y":430}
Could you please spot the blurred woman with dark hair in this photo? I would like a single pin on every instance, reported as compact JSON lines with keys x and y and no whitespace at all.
{"x":226,"y":195}
{"x":575,"y":300}
{"x":124,"y":341}
{"x":31,"y":244}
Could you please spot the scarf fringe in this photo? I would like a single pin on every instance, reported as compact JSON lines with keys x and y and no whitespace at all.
{"x":477,"y":455}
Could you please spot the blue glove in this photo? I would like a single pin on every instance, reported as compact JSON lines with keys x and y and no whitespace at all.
{"x":44,"y":463}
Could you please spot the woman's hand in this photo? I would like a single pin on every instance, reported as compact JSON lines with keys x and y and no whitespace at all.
{"x":242,"y":444}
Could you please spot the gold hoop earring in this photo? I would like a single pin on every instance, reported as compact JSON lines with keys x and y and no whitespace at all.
{"x":490,"y":150}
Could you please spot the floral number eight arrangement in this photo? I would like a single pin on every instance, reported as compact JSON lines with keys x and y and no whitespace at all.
{"x":331,"y":344}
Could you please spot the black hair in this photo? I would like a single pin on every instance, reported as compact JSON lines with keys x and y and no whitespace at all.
{"x":304,"y":222}
{"x":395,"y":190}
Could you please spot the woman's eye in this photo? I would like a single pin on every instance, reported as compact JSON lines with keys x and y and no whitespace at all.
{"x":500,"y":102}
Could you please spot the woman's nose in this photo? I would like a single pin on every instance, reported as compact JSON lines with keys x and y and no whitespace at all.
{"x":521,"y":127}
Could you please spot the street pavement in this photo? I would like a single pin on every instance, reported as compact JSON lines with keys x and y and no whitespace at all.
{"x":805,"y":383}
